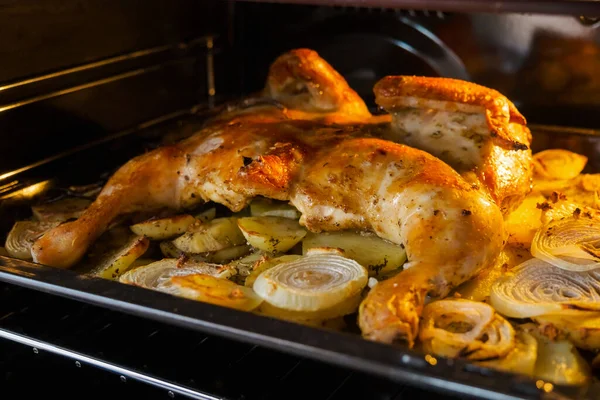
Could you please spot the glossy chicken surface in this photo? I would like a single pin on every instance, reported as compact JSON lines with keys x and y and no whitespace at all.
{"x":330,"y":158}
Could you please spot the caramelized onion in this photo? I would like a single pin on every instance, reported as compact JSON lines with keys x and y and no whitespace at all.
{"x":22,"y":236}
{"x":464,"y":328}
{"x":538,"y":288}
{"x":569,"y":243}
{"x":158,"y":275}
{"x":558,"y":164}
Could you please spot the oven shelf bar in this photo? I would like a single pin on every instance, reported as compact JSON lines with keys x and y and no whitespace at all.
{"x":81,"y":360}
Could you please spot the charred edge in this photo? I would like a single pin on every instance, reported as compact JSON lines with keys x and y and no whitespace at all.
{"x":466,"y":213}
{"x":247,"y":161}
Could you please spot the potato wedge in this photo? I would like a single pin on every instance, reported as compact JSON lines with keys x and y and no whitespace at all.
{"x":217,"y":234}
{"x":261,"y":207}
{"x":120,"y":261}
{"x":207,"y":215}
{"x":60,"y":210}
{"x":378,"y":256}
{"x":271,"y":234}
{"x":163,"y":228}
{"x":264,"y":265}
{"x":169,"y":250}
{"x":217,"y":291}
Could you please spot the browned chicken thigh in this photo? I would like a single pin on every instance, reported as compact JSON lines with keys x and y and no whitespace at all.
{"x":326,"y":155}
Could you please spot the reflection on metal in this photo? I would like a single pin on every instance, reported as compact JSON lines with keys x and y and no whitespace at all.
{"x":124,"y":373}
{"x":99,"y":82}
{"x":107,"y":61}
{"x":105,"y":139}
{"x":29,"y":192}
{"x":210,"y":72}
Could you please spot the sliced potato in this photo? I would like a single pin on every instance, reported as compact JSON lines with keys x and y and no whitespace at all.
{"x":217,"y":291}
{"x":217,"y":234}
{"x":261,"y":207}
{"x":378,"y":256}
{"x":207,"y":215}
{"x":163,"y":228}
{"x":326,"y":250}
{"x":228,"y":254}
{"x":522,"y":223}
{"x":22,"y":236}
{"x":60,"y":210}
{"x":271,"y":234}
{"x":169,"y":250}
{"x":120,"y":261}
{"x":480,"y":287}
{"x":245,"y":265}
{"x":266,"y":264}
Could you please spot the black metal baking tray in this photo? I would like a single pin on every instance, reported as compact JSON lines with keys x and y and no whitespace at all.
{"x":574,"y":7}
{"x":87,"y":163}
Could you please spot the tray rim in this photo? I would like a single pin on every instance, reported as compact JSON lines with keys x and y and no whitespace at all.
{"x":448,"y":376}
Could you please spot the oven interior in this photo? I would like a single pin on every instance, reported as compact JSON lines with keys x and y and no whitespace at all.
{"x":84,"y":86}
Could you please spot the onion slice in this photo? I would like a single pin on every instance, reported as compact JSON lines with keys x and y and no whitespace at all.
{"x":22,"y":236}
{"x":464,"y":328}
{"x":569,"y":243}
{"x":311,"y":283}
{"x":157,"y":275}
{"x":558,"y":164}
{"x":538,"y":288}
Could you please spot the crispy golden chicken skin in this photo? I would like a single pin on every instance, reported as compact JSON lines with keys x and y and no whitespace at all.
{"x":329,"y":157}
{"x":475,"y":129}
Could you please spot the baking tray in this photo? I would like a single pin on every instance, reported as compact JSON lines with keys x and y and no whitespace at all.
{"x":90,"y":162}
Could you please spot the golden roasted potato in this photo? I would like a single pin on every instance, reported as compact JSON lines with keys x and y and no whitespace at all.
{"x":271,"y":234}
{"x":163,"y":228}
{"x":377,"y":255}
{"x":121,"y":260}
{"x":217,"y":234}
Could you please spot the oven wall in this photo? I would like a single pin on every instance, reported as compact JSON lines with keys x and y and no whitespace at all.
{"x":549,"y":65}
{"x":134,"y":60}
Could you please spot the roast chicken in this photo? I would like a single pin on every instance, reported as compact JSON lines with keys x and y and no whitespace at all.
{"x":436,"y":176}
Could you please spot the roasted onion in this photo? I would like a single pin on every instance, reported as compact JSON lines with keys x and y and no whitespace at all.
{"x":537,"y":288}
{"x":521,"y":359}
{"x":158,"y":274}
{"x":311,"y":283}
{"x":558,"y":164}
{"x":570,"y":242}
{"x":22,"y":236}
{"x":464,"y":328}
